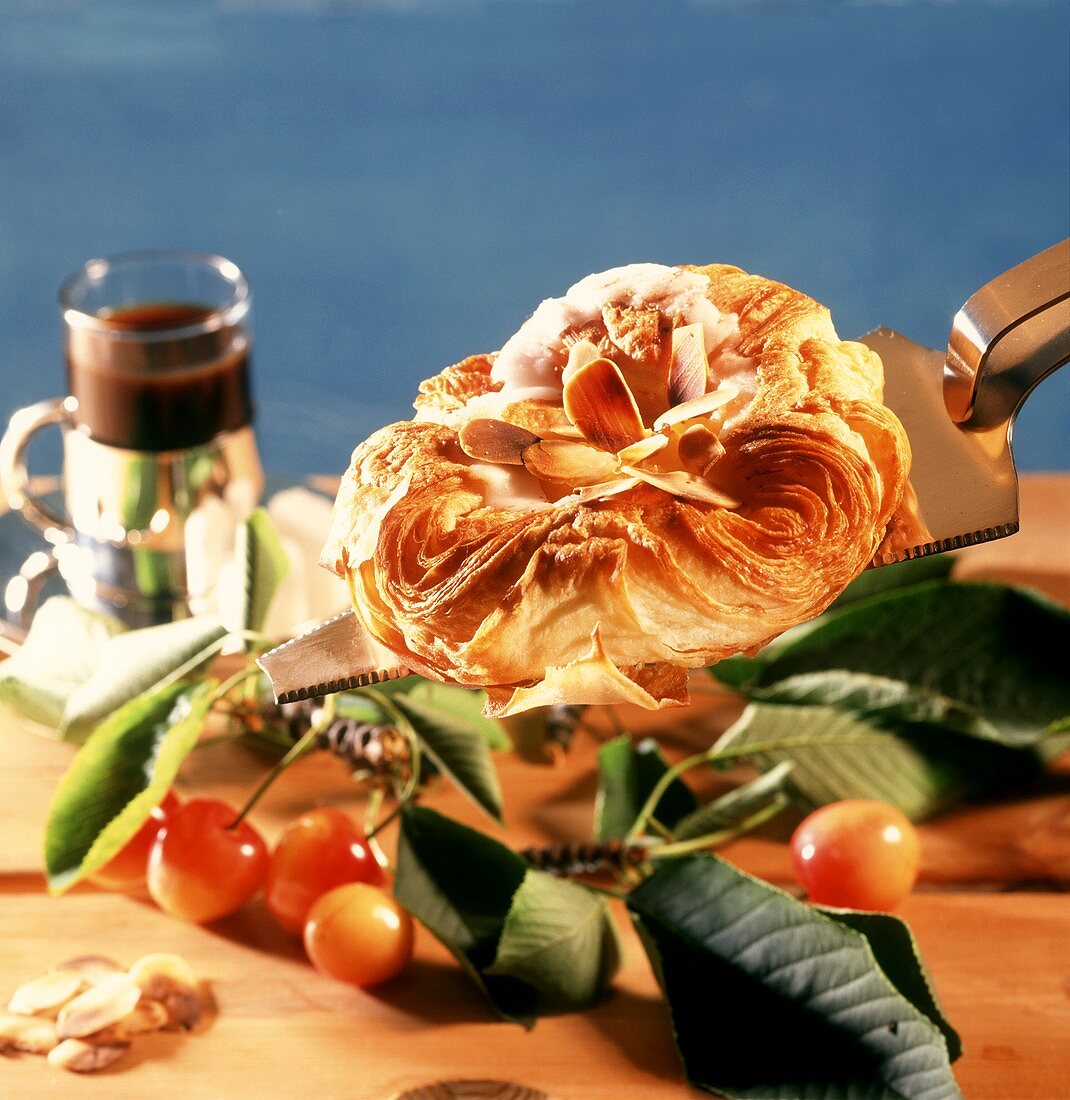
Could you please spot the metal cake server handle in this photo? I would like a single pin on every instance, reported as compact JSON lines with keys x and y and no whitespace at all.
{"x":1008,"y":337}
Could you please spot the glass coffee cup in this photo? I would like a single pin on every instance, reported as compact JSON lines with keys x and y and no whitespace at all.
{"x":160,"y":463}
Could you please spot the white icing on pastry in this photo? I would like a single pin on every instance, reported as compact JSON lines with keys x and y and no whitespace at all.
{"x":530,"y":363}
{"x":532,"y":358}
{"x":508,"y":486}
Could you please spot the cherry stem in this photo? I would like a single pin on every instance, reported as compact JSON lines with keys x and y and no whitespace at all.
{"x":371,"y":812}
{"x":607,"y":891}
{"x":650,"y":806}
{"x":300,"y":748}
{"x":376,"y":829}
{"x":228,"y":685}
{"x":714,"y":755}
{"x":383,"y":702}
{"x":709,"y":840}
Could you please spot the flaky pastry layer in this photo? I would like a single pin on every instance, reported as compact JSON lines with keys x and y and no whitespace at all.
{"x":489,"y":574}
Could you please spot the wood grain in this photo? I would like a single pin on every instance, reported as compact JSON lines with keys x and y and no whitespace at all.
{"x":280,"y":1030}
{"x":999,"y":953}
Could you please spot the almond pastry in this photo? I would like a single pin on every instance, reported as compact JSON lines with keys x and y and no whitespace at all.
{"x":664,"y":467}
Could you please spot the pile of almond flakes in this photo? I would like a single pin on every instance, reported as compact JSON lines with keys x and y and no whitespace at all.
{"x":85,"y":1013}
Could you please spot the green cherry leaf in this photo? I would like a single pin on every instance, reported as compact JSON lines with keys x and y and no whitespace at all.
{"x":735,"y":806}
{"x":264,"y":564}
{"x":897,"y":952}
{"x":560,"y":938}
{"x":140,"y":661}
{"x":457,"y":746}
{"x":888,"y":578}
{"x":62,"y":650}
{"x":772,"y":999}
{"x":122,"y":771}
{"x":460,"y":884}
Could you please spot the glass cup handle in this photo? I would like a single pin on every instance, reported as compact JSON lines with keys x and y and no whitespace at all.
{"x":14,"y":476}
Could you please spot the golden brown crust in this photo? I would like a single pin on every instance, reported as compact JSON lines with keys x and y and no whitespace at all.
{"x":613,"y":599}
{"x":457,"y":385}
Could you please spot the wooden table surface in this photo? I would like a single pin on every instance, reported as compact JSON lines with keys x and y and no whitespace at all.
{"x":991,"y":913}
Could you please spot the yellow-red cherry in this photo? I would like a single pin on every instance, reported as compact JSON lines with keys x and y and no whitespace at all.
{"x":358,"y":933}
{"x":201,"y":869}
{"x":317,"y":851}
{"x":126,"y":870}
{"x":856,"y":854}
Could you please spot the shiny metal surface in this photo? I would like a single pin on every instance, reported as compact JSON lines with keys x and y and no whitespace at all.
{"x":144,"y":500}
{"x":145,"y":533}
{"x":958,"y":409}
{"x":1007,"y":338}
{"x":964,"y":481}
{"x":14,"y":474}
{"x":335,"y":656}
{"x":153,"y":529}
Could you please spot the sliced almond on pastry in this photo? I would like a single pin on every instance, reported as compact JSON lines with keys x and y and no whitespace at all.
{"x":690,"y":370}
{"x":495,"y":441}
{"x":598,"y":401}
{"x":605,"y":489}
{"x":643,"y":448}
{"x":700,"y":406}
{"x":580,"y":353}
{"x":574,"y":463}
{"x":699,"y":448}
{"x":683,"y":485}
{"x":567,"y":431}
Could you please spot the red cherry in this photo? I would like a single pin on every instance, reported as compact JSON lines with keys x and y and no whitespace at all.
{"x":856,"y":854}
{"x":200,"y":869}
{"x":316,"y":852}
{"x":126,"y":870}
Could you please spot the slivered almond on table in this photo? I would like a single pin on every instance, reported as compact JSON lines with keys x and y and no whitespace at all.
{"x":85,"y":1013}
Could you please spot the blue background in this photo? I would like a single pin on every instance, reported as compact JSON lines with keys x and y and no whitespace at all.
{"x":403,"y":181}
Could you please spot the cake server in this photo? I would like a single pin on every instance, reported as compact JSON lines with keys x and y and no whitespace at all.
{"x":958,"y":408}
{"x":337,"y":655}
